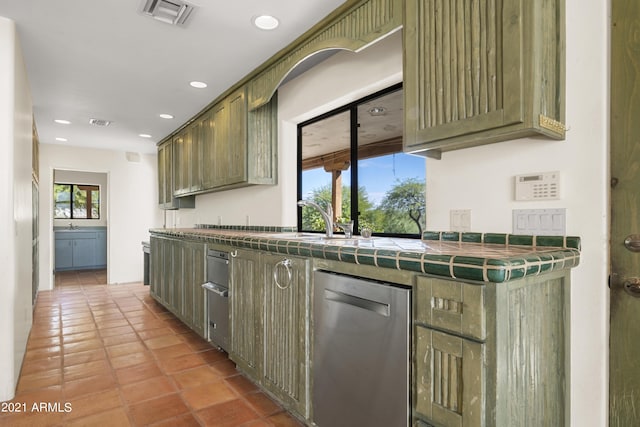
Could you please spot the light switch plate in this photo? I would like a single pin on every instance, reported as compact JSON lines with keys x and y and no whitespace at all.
{"x":540,"y":222}
{"x":460,"y":220}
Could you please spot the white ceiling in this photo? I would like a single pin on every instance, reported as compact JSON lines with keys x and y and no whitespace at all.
{"x":103,"y":59}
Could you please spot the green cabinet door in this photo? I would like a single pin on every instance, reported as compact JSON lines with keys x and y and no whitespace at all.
{"x":220,"y":115}
{"x":165,"y":175}
{"x":168,"y":166}
{"x":209,"y":159}
{"x":157,"y":268}
{"x":245,"y":298}
{"x":182,"y":162}
{"x":237,"y":134}
{"x":175,"y":286}
{"x":194,"y":255}
{"x":286,"y":329}
{"x":480,"y":72}
{"x":450,"y":379}
{"x":195,"y":157}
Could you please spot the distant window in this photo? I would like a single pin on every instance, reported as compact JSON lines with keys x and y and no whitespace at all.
{"x":76,"y":201}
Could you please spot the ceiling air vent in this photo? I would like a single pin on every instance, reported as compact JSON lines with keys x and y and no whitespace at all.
{"x":174,"y":12}
{"x":99,"y":122}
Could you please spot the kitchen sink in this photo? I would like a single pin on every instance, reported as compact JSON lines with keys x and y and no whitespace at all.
{"x":338,"y":239}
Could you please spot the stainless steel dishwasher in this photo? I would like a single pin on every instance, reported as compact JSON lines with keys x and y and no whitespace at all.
{"x":217,"y":290}
{"x":360,"y":352}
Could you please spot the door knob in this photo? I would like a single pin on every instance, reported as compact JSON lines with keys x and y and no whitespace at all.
{"x":632,"y":242}
{"x":632,"y":286}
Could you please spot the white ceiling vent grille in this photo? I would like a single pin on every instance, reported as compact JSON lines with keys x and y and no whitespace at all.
{"x":174,"y":12}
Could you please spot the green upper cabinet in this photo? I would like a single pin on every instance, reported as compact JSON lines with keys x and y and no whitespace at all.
{"x":170,"y":175}
{"x":477,"y":72}
{"x":224,"y":147}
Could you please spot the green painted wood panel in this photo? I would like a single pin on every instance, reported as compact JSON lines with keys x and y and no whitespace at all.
{"x":624,"y":339}
{"x":361,"y":24}
{"x":262,"y":143}
{"x":533,"y":353}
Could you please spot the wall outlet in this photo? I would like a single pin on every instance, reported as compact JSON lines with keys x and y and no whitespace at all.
{"x":460,"y":220}
{"x":540,"y":222}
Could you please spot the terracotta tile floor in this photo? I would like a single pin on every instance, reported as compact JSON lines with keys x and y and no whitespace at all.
{"x":109,"y":355}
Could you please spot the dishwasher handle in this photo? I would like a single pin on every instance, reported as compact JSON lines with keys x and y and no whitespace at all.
{"x":377,"y":307}
{"x":216,"y":289}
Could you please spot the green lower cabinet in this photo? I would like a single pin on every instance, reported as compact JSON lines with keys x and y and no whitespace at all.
{"x":492,"y":354}
{"x":269,"y":324}
{"x":177,"y":272}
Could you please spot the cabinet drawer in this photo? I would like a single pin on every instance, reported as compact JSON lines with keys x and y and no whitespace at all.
{"x":451,"y":306}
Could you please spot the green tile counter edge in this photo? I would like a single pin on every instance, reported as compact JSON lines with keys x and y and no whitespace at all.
{"x":484,"y":257}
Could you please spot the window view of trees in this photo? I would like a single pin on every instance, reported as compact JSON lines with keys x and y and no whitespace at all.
{"x":352,"y":159}
{"x":76,"y":201}
{"x":401,"y":211}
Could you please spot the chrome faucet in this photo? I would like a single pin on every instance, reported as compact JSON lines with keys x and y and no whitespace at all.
{"x":327,"y":216}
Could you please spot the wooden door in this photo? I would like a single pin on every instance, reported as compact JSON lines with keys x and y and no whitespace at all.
{"x":624,"y":344}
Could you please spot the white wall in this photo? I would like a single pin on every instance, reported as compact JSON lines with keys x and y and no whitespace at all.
{"x":88,"y":178}
{"x":132,"y":206}
{"x":479,"y":179}
{"x":15,"y":208}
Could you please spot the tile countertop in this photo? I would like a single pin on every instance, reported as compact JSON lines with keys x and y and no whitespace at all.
{"x":485,"y":257}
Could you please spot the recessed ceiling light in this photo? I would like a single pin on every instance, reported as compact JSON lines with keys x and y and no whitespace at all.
{"x":199,"y":85}
{"x":144,"y":135}
{"x":61,"y":139}
{"x":62,"y":122}
{"x":166,"y":116}
{"x":266,"y":22}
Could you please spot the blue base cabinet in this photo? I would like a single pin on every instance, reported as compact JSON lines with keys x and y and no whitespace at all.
{"x":81,"y":249}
